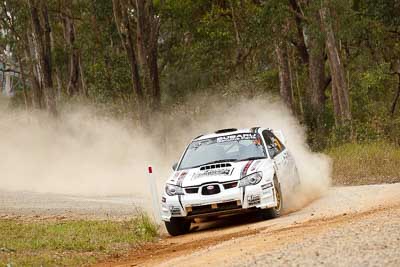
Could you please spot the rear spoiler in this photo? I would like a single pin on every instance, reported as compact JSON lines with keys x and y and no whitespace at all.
{"x":279,"y":134}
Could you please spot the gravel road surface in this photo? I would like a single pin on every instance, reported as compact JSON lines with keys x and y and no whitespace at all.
{"x":349,"y":226}
{"x":372,"y":240}
{"x":28,"y":205}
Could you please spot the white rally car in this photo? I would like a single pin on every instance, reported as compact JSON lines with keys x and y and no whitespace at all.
{"x":229,"y":171}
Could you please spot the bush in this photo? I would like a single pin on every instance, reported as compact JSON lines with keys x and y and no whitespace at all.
{"x":367,"y":163}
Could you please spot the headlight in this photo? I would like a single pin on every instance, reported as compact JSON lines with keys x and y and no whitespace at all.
{"x":173,"y":190}
{"x":251,"y":179}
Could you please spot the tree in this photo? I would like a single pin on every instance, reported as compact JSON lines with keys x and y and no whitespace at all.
{"x":138,"y":28}
{"x":312,"y":53}
{"x":42,"y":46}
{"x":76,"y":84}
{"x":285,"y":79}
{"x":340,"y":91}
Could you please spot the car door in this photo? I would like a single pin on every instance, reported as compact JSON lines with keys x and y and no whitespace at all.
{"x":278,"y":154}
{"x":291,"y":169}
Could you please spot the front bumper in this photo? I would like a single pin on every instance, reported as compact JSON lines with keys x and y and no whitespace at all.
{"x":231,"y":200}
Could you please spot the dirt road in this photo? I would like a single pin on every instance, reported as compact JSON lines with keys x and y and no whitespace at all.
{"x":28,"y":206}
{"x":350,"y":226}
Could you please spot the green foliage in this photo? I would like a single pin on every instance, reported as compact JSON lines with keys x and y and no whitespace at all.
{"x":204,"y":45}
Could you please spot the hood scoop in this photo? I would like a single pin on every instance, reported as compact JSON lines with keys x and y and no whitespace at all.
{"x":215,"y":166}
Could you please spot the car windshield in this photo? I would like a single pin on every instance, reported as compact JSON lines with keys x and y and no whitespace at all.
{"x":236,"y":147}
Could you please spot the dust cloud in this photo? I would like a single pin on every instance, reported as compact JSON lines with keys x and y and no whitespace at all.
{"x":216,"y":112}
{"x":83,"y":153}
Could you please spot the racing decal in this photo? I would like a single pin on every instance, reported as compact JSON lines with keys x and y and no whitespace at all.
{"x":255,"y":165}
{"x":181,"y":177}
{"x":266,"y":186}
{"x":237,"y":137}
{"x":175,"y":210}
{"x":245,"y":168}
{"x":254,"y":129}
{"x":176,"y":175}
{"x":253,"y":200}
{"x":224,"y":172}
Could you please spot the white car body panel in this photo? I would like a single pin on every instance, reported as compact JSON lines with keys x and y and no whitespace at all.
{"x":261,"y":195}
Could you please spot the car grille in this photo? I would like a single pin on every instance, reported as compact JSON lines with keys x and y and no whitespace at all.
{"x":215,"y":190}
{"x":192,"y":190}
{"x":231,"y":205}
{"x":230,"y":185}
{"x":210,"y":189}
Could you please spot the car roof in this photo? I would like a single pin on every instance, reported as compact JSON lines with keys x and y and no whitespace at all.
{"x":225,"y":132}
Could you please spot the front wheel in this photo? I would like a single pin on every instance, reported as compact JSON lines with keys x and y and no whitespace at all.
{"x":178,"y":226}
{"x":275,"y":211}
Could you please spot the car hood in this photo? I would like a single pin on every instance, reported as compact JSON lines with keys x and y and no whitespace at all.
{"x":219,"y":172}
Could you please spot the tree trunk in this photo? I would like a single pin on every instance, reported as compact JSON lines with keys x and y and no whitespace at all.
{"x":312,"y":53}
{"x":395,"y":66}
{"x":316,"y":69}
{"x":41,"y":29}
{"x":8,"y":88}
{"x":144,"y":59}
{"x":147,"y":31}
{"x":301,"y":43}
{"x":58,"y":82}
{"x":84,"y":89}
{"x":75,"y":86}
{"x":336,"y":105}
{"x":336,"y":67}
{"x":23,"y":78}
{"x":37,"y":93}
{"x":125,"y":32}
{"x":240,"y":53}
{"x":285,"y":83}
{"x":397,"y":96}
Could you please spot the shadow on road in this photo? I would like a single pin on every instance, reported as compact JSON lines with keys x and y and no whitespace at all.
{"x":225,"y":221}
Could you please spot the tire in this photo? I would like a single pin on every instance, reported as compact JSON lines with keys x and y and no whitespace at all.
{"x":178,"y":226}
{"x":275,"y":211}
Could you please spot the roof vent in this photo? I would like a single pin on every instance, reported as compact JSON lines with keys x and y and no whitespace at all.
{"x":226,"y":130}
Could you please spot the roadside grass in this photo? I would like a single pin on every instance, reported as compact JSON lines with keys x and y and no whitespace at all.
{"x":360,"y":164}
{"x":70,"y":243}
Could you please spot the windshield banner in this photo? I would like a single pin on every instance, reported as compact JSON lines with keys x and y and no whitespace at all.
{"x":237,"y":137}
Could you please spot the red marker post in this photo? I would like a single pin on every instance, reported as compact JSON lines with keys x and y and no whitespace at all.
{"x":154,"y":194}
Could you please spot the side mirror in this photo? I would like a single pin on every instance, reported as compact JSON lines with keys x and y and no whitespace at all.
{"x":175,"y":166}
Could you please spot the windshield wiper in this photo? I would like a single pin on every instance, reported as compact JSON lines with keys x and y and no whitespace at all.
{"x":252,"y":158}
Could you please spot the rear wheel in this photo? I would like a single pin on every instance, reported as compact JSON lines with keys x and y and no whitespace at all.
{"x":275,"y":211}
{"x":177,"y":226}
